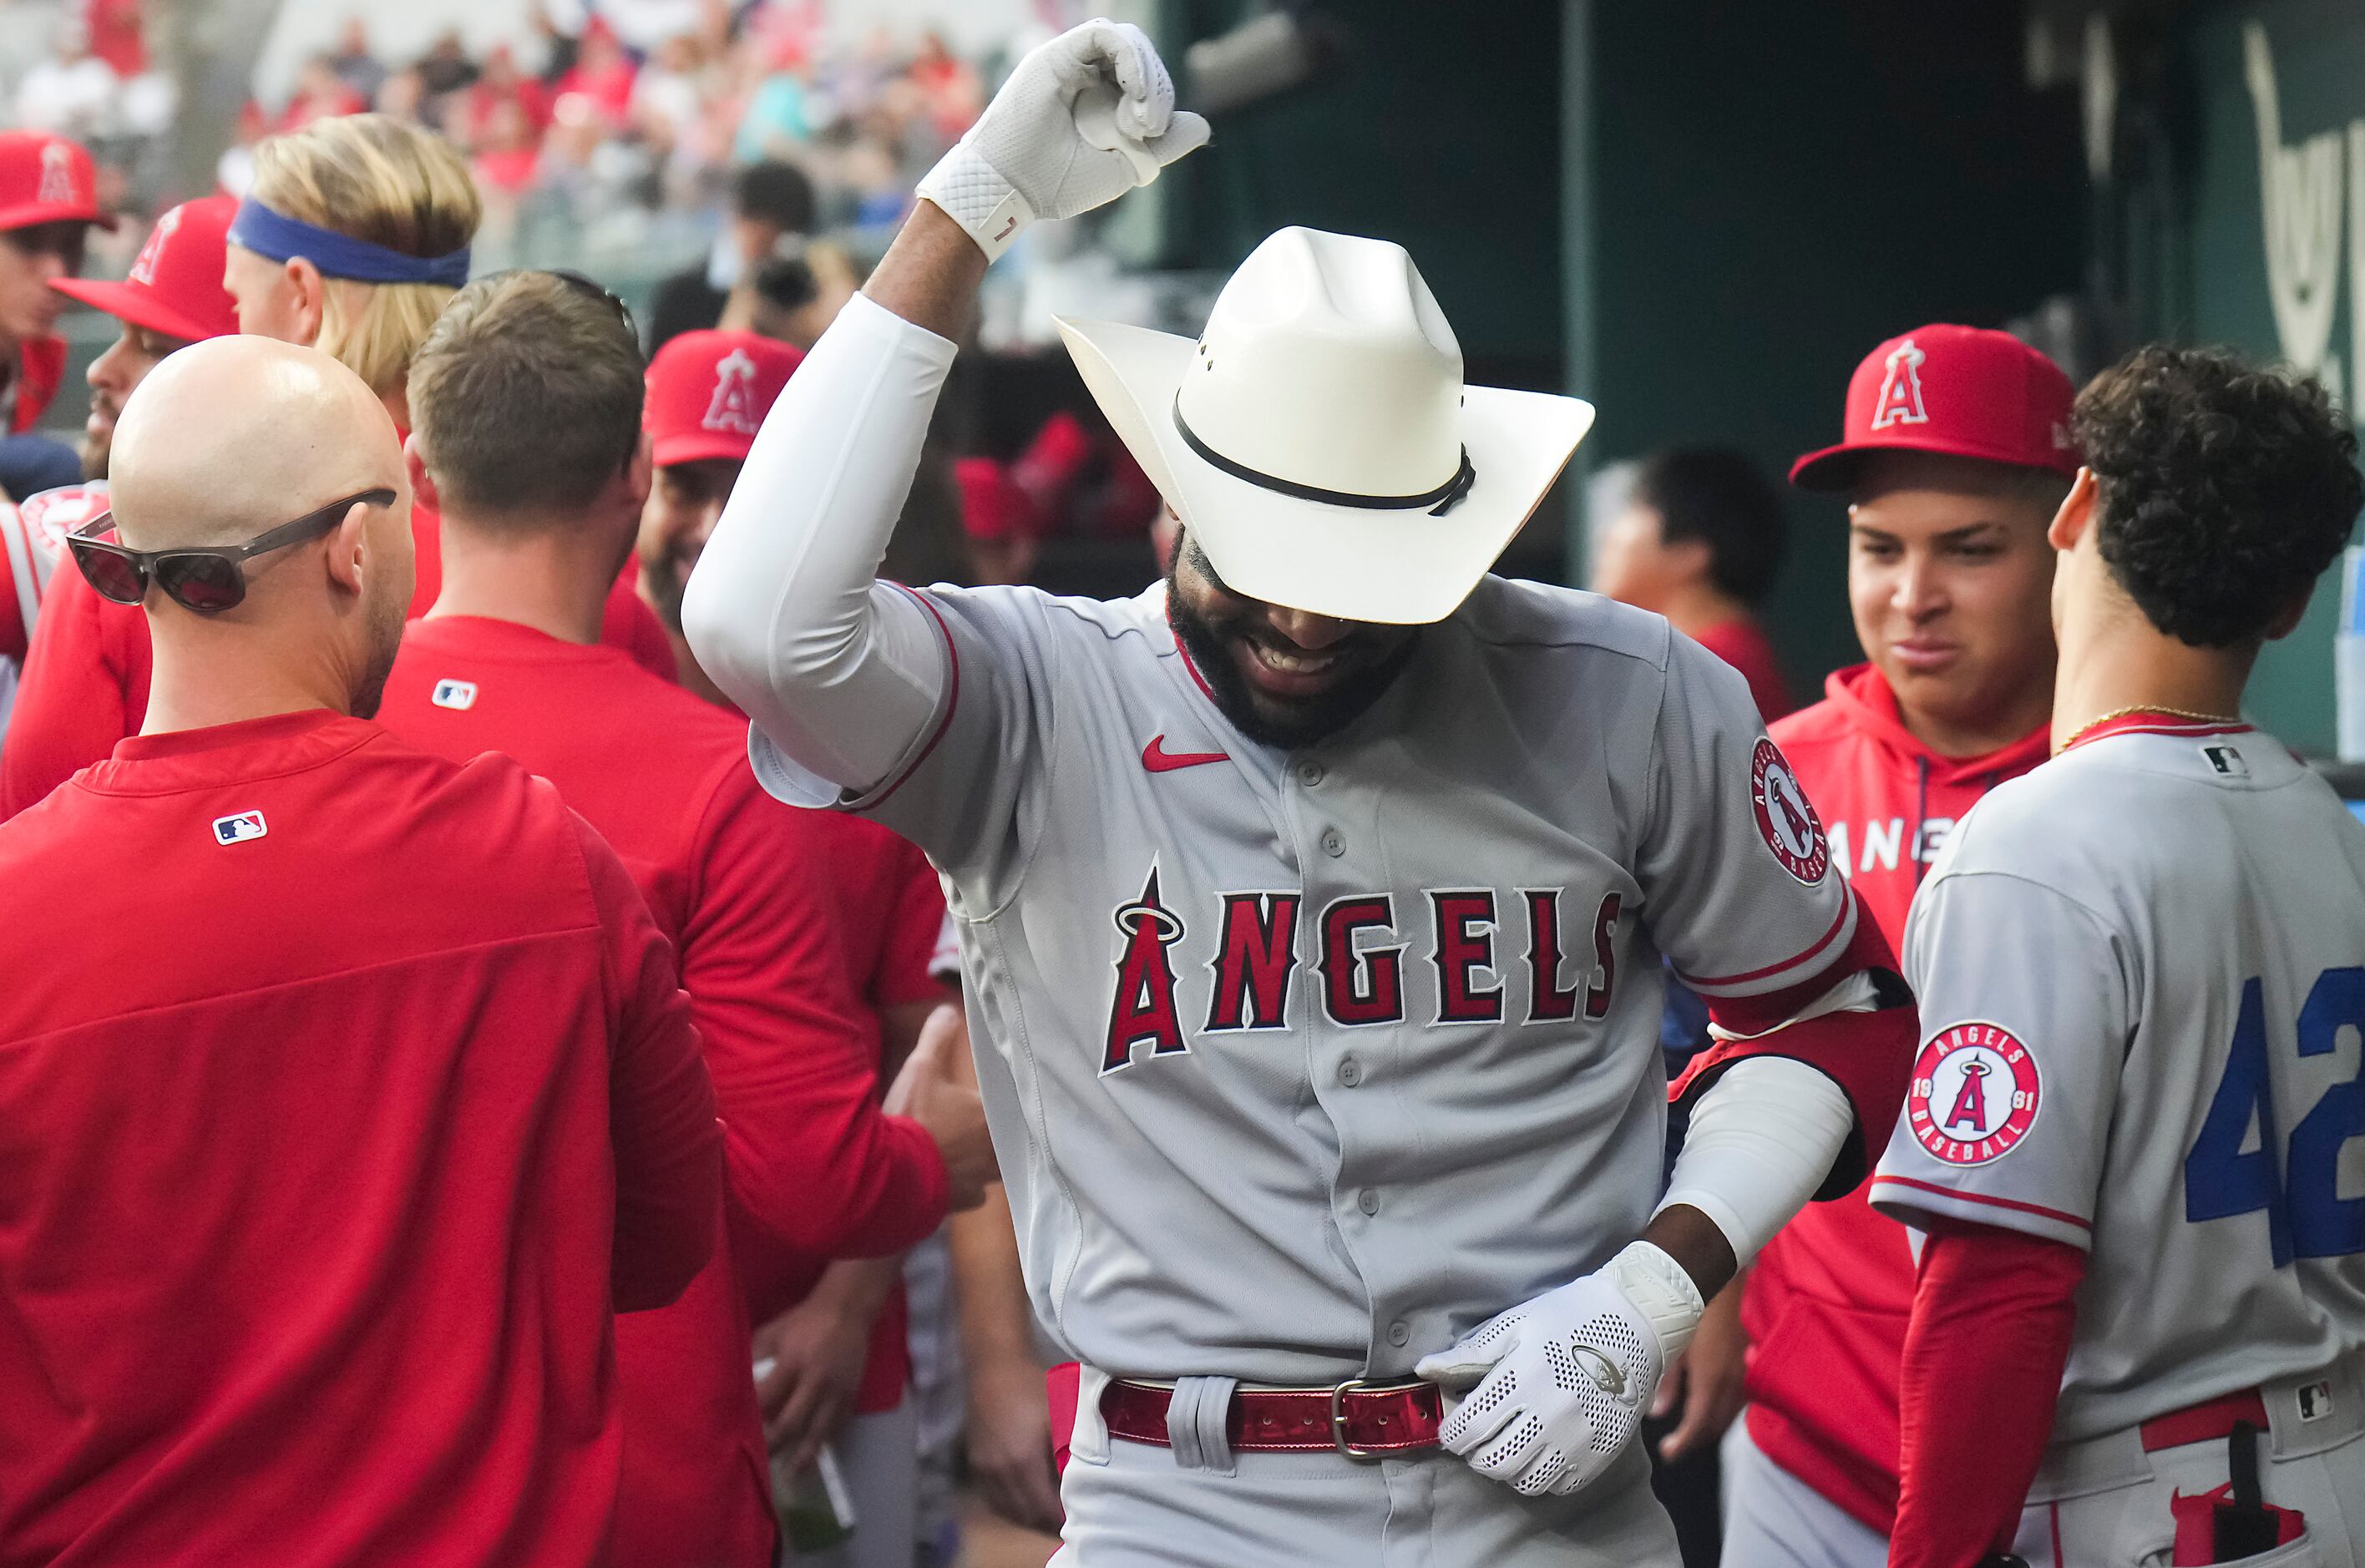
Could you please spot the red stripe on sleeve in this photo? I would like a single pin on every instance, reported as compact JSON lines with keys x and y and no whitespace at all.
{"x":952,"y":700}
{"x":2012,"y":1203}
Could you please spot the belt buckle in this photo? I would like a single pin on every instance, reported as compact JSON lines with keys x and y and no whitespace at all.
{"x":1339,"y":1419}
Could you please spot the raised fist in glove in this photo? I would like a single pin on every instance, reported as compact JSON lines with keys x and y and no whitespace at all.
{"x":1083,"y":119}
{"x":1563,"y":1381}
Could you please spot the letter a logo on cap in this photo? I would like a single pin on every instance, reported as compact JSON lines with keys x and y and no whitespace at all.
{"x":1899,"y":402}
{"x":733,"y":405}
{"x":56,"y":175}
{"x":143,"y":270}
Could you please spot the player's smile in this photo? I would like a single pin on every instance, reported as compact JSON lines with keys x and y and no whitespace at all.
{"x":1273,"y":686}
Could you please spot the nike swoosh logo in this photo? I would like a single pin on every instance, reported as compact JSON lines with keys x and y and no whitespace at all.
{"x":1158,"y":759}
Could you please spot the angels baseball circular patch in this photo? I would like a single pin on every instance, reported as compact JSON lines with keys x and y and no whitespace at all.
{"x":1786,"y":816}
{"x":1974,"y":1094}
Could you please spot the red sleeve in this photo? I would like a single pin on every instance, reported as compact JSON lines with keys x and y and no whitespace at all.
{"x":1992,"y":1312}
{"x":86,"y":688}
{"x":12,"y":614}
{"x":1869,"y":1055}
{"x":627,"y":623}
{"x":815,"y":1166}
{"x":660,"y":1105}
{"x":914,"y":924}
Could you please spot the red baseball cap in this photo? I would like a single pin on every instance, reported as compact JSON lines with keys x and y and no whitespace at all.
{"x":176,"y":287}
{"x":709,"y":393}
{"x":1964,"y":391}
{"x":47,"y":179}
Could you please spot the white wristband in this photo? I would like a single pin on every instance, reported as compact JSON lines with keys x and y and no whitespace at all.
{"x":969,"y":191}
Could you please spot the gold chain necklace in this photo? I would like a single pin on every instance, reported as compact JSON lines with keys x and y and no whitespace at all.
{"x":2080,"y":731}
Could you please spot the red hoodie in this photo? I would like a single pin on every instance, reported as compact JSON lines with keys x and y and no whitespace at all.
{"x":1828,"y":1298}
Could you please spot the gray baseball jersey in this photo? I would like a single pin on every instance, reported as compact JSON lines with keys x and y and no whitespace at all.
{"x":2142,"y":976}
{"x":1317,"y":1057}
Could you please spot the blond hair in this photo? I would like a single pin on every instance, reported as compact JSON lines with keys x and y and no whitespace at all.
{"x":375,"y":178}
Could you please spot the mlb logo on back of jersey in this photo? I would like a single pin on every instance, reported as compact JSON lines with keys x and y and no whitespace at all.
{"x":239,"y":826}
{"x":2226,"y":761}
{"x":459,"y":694}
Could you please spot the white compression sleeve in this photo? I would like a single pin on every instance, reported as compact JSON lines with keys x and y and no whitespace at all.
{"x":1762,"y":1139}
{"x":841,"y":672}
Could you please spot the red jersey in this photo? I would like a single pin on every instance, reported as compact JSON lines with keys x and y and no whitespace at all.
{"x":751,"y":895}
{"x":330,"y":1165}
{"x":85,"y":675}
{"x":40,"y":368}
{"x":1741,"y":643}
{"x":1828,"y":1298}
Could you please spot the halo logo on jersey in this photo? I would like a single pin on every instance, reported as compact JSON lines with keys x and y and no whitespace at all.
{"x":1974,"y":1094}
{"x":1786,"y":816}
{"x":1144,"y":1008}
{"x":239,"y":827}
{"x":732,"y":407}
{"x":1899,"y":402}
{"x":455,"y":694}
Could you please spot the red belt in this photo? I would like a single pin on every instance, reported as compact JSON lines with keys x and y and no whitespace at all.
{"x":1360,"y":1419}
{"x":2204,"y":1423}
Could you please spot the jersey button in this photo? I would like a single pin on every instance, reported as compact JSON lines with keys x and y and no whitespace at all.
{"x":1400,"y":1333}
{"x":1334,"y":843}
{"x":1310,"y":774}
{"x":1350,"y":1072}
{"x":1368,"y":1201}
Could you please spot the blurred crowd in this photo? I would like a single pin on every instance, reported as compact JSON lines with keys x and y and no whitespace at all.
{"x":594,"y":121}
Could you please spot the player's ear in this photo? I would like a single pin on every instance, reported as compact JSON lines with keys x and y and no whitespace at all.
{"x":2076,"y":513}
{"x":349,"y":549}
{"x":310,"y":292}
{"x":640,"y":474}
{"x":422,"y":483}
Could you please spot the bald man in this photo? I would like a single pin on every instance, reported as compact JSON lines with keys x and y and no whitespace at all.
{"x":329,"y":1165}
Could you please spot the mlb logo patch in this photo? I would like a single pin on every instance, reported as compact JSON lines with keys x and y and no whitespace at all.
{"x":2226,"y":761}
{"x":461,"y":694}
{"x":239,"y":827}
{"x":2315,"y":1400}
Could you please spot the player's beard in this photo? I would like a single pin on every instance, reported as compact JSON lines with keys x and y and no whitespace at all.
{"x":386,"y":615}
{"x":1267,"y":718}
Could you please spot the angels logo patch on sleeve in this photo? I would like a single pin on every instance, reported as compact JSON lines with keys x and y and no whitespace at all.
{"x":1786,"y":816}
{"x":1974,"y":1094}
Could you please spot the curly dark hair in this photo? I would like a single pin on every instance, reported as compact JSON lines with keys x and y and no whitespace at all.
{"x":2223,"y":489}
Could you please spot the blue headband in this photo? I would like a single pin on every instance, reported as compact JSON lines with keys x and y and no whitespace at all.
{"x":280,"y":237}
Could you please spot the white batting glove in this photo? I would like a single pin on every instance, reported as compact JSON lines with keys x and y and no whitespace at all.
{"x":1083,"y":119}
{"x":1563,"y":1381}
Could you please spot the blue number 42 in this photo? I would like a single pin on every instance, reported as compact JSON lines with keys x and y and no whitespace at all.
{"x":2306,"y":1217}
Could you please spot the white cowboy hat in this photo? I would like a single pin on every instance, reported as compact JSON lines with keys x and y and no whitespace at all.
{"x":1317,"y":440}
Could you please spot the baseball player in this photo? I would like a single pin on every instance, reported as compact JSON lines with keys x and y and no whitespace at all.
{"x":49,"y":202}
{"x":1955,"y":455}
{"x":2136,"y":1329}
{"x":173,"y":298}
{"x":1310,"y":900}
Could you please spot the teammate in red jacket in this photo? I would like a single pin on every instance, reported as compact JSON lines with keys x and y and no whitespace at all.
{"x":1954,"y":456}
{"x":329,"y":1167}
{"x":836,"y":1336}
{"x":528,"y":398}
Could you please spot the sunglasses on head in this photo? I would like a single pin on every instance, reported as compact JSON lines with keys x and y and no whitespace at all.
{"x":206,"y":578}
